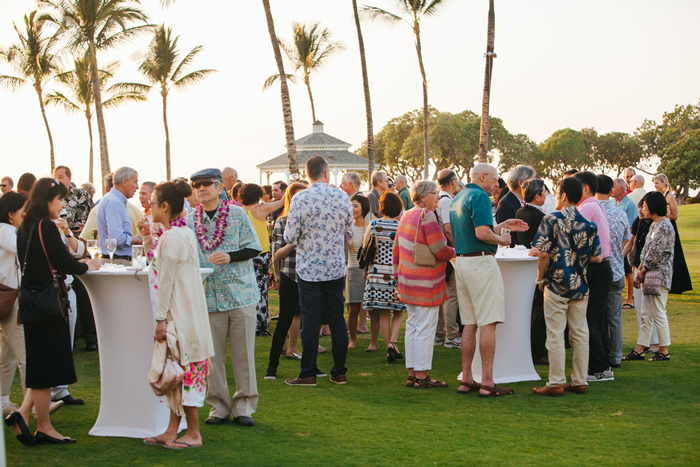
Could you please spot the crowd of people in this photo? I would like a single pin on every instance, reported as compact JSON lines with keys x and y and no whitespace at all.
{"x":428,"y":251}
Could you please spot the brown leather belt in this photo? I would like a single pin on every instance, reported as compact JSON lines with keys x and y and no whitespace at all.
{"x":481,"y":253}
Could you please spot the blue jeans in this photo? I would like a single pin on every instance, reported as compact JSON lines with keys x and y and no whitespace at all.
{"x":310,"y":294}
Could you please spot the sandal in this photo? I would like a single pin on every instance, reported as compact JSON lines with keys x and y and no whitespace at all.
{"x":496,"y":391}
{"x":410,"y":381}
{"x":473,"y":386}
{"x":396,"y":347}
{"x":428,"y":383}
{"x":660,"y":357}
{"x":627,"y":306}
{"x":633,"y":356}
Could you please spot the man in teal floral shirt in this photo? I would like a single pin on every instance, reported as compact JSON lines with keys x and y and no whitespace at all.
{"x":227,"y":243}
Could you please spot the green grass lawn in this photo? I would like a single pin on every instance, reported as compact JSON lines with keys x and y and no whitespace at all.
{"x":649,"y":415}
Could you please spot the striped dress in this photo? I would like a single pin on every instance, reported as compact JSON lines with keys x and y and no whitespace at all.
{"x":381,"y":285}
{"x":420,"y":285}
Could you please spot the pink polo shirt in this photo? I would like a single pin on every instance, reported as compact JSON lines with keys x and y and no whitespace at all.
{"x":593,"y":211}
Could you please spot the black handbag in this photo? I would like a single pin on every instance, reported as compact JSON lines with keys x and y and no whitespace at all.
{"x":368,"y":251}
{"x":47,"y":303}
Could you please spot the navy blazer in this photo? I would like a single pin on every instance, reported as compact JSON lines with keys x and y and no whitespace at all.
{"x":507,"y":207}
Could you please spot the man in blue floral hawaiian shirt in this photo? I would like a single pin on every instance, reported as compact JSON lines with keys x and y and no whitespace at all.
{"x":567,"y":243}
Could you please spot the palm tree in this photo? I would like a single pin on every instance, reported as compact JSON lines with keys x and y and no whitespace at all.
{"x":284,"y":89}
{"x":159,"y":65}
{"x":310,"y":52}
{"x":80,"y":97}
{"x":490,"y":36}
{"x":34,"y":61}
{"x":96,"y":25}
{"x":365,"y":84}
{"x":415,"y":11}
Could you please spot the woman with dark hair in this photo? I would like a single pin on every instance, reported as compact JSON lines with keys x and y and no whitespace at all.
{"x":49,"y":356}
{"x":12,"y":353}
{"x":499,"y":193}
{"x":657,"y":256}
{"x":25,"y":183}
{"x":380,"y":285}
{"x":250,"y":195}
{"x":181,"y":300}
{"x":354,"y":277}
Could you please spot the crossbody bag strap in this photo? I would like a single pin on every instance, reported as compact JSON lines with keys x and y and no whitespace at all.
{"x":41,"y":239}
{"x":420,"y":218}
{"x":26,"y":250}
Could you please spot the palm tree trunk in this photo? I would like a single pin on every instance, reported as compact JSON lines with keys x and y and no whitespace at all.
{"x":286,"y":103}
{"x":426,"y":144}
{"x":97,"y":94}
{"x":167,"y":134}
{"x":311,"y":99}
{"x":91,"y":159}
{"x":484,"y":135}
{"x":37,"y":88}
{"x":365,"y":84}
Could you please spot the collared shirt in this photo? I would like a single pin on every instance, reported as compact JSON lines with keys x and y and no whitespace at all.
{"x":288,"y":265}
{"x":373,"y":197}
{"x":113,"y":222}
{"x":619,"y":233}
{"x":637,"y":195}
{"x":443,"y":209}
{"x":571,"y":240}
{"x":405,"y":196}
{"x":657,"y":253}
{"x":225,"y":196}
{"x":630,"y":209}
{"x":594,"y":213}
{"x":470,"y":209}
{"x":320,"y":221}
{"x":231,"y":285}
{"x":78,"y":206}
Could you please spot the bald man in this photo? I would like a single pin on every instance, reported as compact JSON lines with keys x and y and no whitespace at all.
{"x":401,"y":184}
{"x":637,"y":187}
{"x":230,"y":179}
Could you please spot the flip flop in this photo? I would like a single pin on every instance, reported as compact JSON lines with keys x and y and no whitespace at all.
{"x":181,"y":445}
{"x":627,"y":306}
{"x":157,"y":442}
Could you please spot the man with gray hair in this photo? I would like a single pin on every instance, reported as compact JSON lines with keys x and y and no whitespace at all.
{"x":6,"y":185}
{"x":145,"y":194}
{"x":624,"y":202}
{"x":350,"y":183}
{"x":380,"y":183}
{"x":113,"y":219}
{"x":401,"y":184}
{"x":637,"y":187}
{"x":510,"y":203}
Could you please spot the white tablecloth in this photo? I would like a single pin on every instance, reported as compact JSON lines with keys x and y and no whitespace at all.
{"x":125,"y":326}
{"x":513,"y":359}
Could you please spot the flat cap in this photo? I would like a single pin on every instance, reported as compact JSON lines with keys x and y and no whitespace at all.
{"x":209,"y":174}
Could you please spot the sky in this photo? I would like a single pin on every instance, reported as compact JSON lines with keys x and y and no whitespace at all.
{"x":575,"y":63}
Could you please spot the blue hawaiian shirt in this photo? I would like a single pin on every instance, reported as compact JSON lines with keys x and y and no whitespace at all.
{"x":231,"y":285}
{"x":320,"y":221}
{"x":571,"y":240}
{"x":619,"y":233}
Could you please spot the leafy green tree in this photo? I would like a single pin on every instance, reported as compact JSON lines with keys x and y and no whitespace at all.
{"x":365,"y":86}
{"x":80,"y":98}
{"x":682,"y":163}
{"x":617,"y":151}
{"x":562,"y":151}
{"x":92,"y":26}
{"x":35,"y":62}
{"x":159,"y":65}
{"x":309,"y":52}
{"x":412,"y":13}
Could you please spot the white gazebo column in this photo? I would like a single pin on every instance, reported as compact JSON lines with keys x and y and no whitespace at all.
{"x":286,"y":173}
{"x":335,"y":175}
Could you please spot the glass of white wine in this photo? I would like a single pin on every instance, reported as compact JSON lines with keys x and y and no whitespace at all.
{"x":111,"y":246}
{"x":504,"y":232}
{"x":93,"y":247}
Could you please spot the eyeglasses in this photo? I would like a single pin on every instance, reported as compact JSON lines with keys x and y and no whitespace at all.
{"x":200,"y":183}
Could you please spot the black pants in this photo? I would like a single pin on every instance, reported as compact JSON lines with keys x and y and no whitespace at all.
{"x":538,"y":329}
{"x":289,"y":307}
{"x":85,"y":319}
{"x":600,"y":279}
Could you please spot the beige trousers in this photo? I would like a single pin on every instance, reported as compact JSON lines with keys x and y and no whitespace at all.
{"x":238,"y":327}
{"x":12,"y":351}
{"x":557,"y":312}
{"x":654,"y":312}
{"x":447,"y":316}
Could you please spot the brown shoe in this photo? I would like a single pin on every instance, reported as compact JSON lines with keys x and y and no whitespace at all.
{"x":308,"y":382}
{"x":554,"y":391}
{"x":339,"y":379}
{"x":576,"y":389}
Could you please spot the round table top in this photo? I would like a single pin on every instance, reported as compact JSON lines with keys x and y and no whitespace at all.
{"x":514,"y":254}
{"x":120,"y":270}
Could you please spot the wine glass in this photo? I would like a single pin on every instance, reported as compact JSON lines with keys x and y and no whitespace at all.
{"x":111,"y":246}
{"x":93,"y":248}
{"x":503,"y":232}
{"x":137,"y":259}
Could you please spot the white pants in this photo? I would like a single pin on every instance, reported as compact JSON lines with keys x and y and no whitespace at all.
{"x":654,"y":311}
{"x":421,"y":323}
{"x":59,"y":392}
{"x":12,"y":351}
{"x":638,"y":304}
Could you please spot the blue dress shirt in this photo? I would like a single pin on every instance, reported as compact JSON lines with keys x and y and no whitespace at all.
{"x":113,"y":222}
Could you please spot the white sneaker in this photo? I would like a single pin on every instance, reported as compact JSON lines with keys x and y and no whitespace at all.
{"x":9,"y":407}
{"x":453,"y":343}
{"x":439,"y":341}
{"x":606,"y":375}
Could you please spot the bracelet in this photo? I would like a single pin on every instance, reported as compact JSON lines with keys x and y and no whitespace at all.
{"x":162,"y":320}
{"x":539,"y":282}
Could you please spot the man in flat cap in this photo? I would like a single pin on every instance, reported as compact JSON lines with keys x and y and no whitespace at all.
{"x":227,"y":243}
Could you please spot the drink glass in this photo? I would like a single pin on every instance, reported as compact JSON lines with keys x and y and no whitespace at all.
{"x":503,"y":232}
{"x":93,"y":248}
{"x":111,"y":246}
{"x":137,"y":259}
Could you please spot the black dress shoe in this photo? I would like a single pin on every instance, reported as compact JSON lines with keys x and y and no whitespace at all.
{"x":91,"y":347}
{"x":41,"y":438}
{"x":25,"y":437}
{"x":216,"y":420}
{"x":70,"y":400}
{"x":244,"y":421}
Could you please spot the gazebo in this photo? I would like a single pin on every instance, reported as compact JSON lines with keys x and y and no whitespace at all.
{"x":318,"y":143}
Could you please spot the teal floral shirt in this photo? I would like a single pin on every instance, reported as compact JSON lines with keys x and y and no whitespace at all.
{"x":231,"y":285}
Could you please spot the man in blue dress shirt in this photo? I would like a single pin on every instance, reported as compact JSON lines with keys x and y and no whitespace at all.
{"x":113,"y":219}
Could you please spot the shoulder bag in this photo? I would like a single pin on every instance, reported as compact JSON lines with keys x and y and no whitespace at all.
{"x":422,"y":256}
{"x":8,"y":297}
{"x":652,"y":282}
{"x":368,"y":251}
{"x":48,"y":303}
{"x":166,"y":374}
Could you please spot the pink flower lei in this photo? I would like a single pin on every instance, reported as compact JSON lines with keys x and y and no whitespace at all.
{"x":220,"y":232}
{"x":177,"y":222}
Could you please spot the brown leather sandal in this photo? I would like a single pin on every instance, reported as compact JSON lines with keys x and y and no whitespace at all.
{"x":428,"y":383}
{"x":473,"y":387}
{"x":496,"y":391}
{"x":410,"y":381}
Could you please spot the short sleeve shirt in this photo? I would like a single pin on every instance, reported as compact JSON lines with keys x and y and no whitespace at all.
{"x":470,"y":209}
{"x":78,"y":206}
{"x":571,"y":240}
{"x":619,"y":233}
{"x":630,"y":209}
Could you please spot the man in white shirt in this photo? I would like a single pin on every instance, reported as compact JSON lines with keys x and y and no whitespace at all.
{"x":637,"y":187}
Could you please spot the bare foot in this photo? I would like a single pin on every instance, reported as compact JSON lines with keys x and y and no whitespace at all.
{"x":372,"y":348}
{"x":352,"y":345}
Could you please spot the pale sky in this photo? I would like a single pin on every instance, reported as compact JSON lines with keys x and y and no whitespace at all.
{"x":574,"y":63}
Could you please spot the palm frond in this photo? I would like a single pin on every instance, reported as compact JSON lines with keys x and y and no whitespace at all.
{"x":129,"y":88}
{"x":192,"y":79}
{"x":433,"y":7}
{"x":118,"y":100}
{"x":271,"y":80}
{"x":124,"y":36}
{"x":186,"y":62}
{"x":58,"y":99}
{"x":374,"y":13}
{"x":12,"y":83}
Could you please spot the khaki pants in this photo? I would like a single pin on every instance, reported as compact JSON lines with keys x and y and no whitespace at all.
{"x":447,"y":316}
{"x":12,"y":351}
{"x":238,"y":327}
{"x":654,"y":312}
{"x":557,"y":312}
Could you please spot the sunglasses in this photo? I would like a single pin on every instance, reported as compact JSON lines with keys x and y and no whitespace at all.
{"x":201,"y":183}
{"x":4,"y":185}
{"x":391,"y":185}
